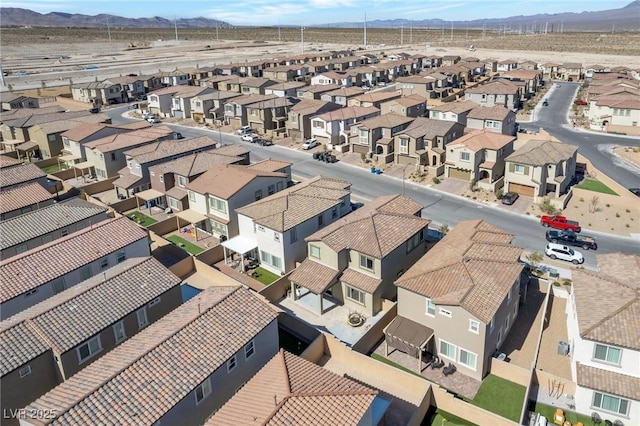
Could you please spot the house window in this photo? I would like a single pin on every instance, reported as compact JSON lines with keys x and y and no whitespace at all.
{"x":499,"y":338}
{"x":509,"y":295}
{"x":355,"y":294}
{"x":293,"y":235}
{"x":448,"y":350}
{"x":265,"y":257}
{"x":518,"y":169}
{"x":154,"y":302}
{"x":21,"y":248}
{"x":58,"y":285}
{"x":219,"y":205}
{"x":611,"y":403}
{"x":431,"y":308}
{"x":25,"y":371}
{"x":121,"y":256}
{"x":203,"y":390}
{"x":279,"y":186}
{"x":276,"y":237}
{"x":608,"y":354}
{"x":182,"y":181}
{"x":192,"y":196}
{"x":231,"y":364}
{"x":104,"y":263}
{"x":366,"y":262}
{"x":314,"y":251}
{"x":141,"y":314}
{"x":89,"y":349}
{"x":445,"y":312}
{"x":334,"y":212}
{"x":506,"y":324}
{"x":320,"y":221}
{"x":85,"y":272}
{"x":364,"y":137}
{"x":465,"y":156}
{"x":318,"y":124}
{"x":271,"y":189}
{"x":404,"y":146}
{"x":64,"y":232}
{"x":118,"y":332}
{"x":113,"y":156}
{"x":258,"y":194}
{"x":173,"y":203}
{"x":415,"y":241}
{"x":276,"y":262}
{"x":474,"y":326}
{"x":468,"y":358}
{"x":249,"y":350}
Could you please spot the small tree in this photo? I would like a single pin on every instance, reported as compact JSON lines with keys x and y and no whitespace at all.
{"x":593,"y":204}
{"x":10,"y":87}
{"x":534,"y":259}
{"x":444,"y":229}
{"x":363,"y":157}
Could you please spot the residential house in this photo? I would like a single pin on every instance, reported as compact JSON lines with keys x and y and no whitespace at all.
{"x":369,"y":58}
{"x":106,"y":155}
{"x":228,"y":69}
{"x":20,"y":199}
{"x":345,"y":62}
{"x":295,"y":382}
{"x":269,"y":117}
{"x":99,"y":93}
{"x":181,"y":101}
{"x":217,"y":81}
{"x":540,"y":168}
{"x":479,"y":158}
{"x":173,"y":78}
{"x":209,"y":108}
{"x":419,"y":85}
{"x":9,"y":101}
{"x":341,"y":96}
{"x":334,"y":127}
{"x":603,"y":338}
{"x":424,"y":142}
{"x":217,"y":203}
{"x":285,"y":89}
{"x":275,"y":227}
{"x":549,"y":70}
{"x":450,"y":60}
{"x":315,"y":91}
{"x":38,"y":227}
{"x":255,"y":85}
{"x":73,"y":140}
{"x":410,"y":106}
{"x":160,"y":101}
{"x":491,"y":65}
{"x":507,"y":65}
{"x":298,"y":123}
{"x":376,"y":99}
{"x":135,"y":176}
{"x":172,"y":177}
{"x":374,"y":136}
{"x":571,"y":71}
{"x":460,"y":300}
{"x":452,"y":111}
{"x":19,"y":173}
{"x":433,"y":61}
{"x":356,"y":259}
{"x":532,"y":80}
{"x":132,"y":86}
{"x":156,"y":358}
{"x":67,"y":261}
{"x":286,"y":72}
{"x":496,"y":119}
{"x":150,"y":82}
{"x":235,"y":110}
{"x":251,"y":68}
{"x":53,"y":340}
{"x":616,"y":111}
{"x":197,"y":74}
{"x":528,"y":65}
{"x":334,"y":78}
{"x":496,"y":92}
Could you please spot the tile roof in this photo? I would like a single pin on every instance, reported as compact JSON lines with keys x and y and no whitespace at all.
{"x":348,"y":113}
{"x":21,"y":196}
{"x":522,"y":73}
{"x":19,"y":344}
{"x":625,"y":267}
{"x":251,"y":99}
{"x":126,"y":179}
{"x":175,"y":353}
{"x":64,"y":124}
{"x":608,"y":310}
{"x":39,"y":118}
{"x":495,"y":87}
{"x":224,"y":181}
{"x":319,"y":88}
{"x":269,"y":165}
{"x":194,"y":164}
{"x":69,"y":318}
{"x":496,"y":112}
{"x":258,"y":82}
{"x":483,"y":139}
{"x":25,"y":112}
{"x":34,"y":224}
{"x":473,"y":266}
{"x":428,"y":128}
{"x":455,"y":107}
{"x":378,"y":96}
{"x":387,"y":121}
{"x":608,"y":381}
{"x":292,"y":390}
{"x":169,"y":148}
{"x":346,"y":91}
{"x":6,"y":161}
{"x":297,"y":204}
{"x":21,"y":173}
{"x":130,"y":139}
{"x":79,"y":133}
{"x":538,"y":153}
{"x":65,"y":254}
{"x":314,"y":276}
{"x":376,"y":229}
{"x":411,"y":100}
{"x":276,"y":102}
{"x":360,"y":280}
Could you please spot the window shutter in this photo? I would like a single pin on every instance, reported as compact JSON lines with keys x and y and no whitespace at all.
{"x":511,"y":167}
{"x":526,"y":170}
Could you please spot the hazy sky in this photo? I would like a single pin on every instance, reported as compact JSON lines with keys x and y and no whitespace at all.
{"x":313,"y":12}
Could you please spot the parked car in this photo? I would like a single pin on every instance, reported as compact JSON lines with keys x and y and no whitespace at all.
{"x":545,"y":103}
{"x":580,"y":102}
{"x":570,"y":238}
{"x":264,"y":142}
{"x":178,"y":135}
{"x":557,"y":84}
{"x":250,"y":137}
{"x":560,"y":222}
{"x":509,"y":198}
{"x":153,"y":120}
{"x":558,"y":251}
{"x":94,"y":110}
{"x":635,"y":191}
{"x":245,"y":130}
{"x":134,"y":106}
{"x":310,"y":143}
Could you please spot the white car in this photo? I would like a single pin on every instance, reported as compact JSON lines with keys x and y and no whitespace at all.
{"x":244,"y":130}
{"x":558,"y":251}
{"x":250,"y":137}
{"x":153,"y":120}
{"x":310,"y":143}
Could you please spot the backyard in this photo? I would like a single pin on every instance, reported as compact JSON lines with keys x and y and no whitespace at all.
{"x":436,"y":417}
{"x":54,"y":168}
{"x":141,"y":219}
{"x":185,"y":245}
{"x":548,"y":412}
{"x":265,"y":277}
{"x":500,"y":396}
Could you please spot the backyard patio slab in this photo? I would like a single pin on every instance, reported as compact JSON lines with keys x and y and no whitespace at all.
{"x":556,"y":330}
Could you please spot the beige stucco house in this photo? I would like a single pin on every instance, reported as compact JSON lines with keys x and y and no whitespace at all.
{"x":374,"y":136}
{"x":496,"y":92}
{"x":497,"y":119}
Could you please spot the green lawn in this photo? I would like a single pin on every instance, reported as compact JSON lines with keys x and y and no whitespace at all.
{"x":393,"y":364}
{"x":548,"y":411}
{"x":500,"y":396}
{"x":596,"y":186}
{"x":437,"y":417}
{"x":54,"y":168}
{"x":141,"y":219}
{"x":185,"y":245}
{"x":264,"y":276}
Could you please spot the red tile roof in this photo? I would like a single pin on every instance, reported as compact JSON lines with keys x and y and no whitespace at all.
{"x":21,"y":196}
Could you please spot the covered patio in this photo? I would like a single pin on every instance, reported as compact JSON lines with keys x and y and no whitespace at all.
{"x":244,"y":247}
{"x":150,"y":197}
{"x":316,"y":278}
{"x":28,"y":149}
{"x":407,"y":336}
{"x":190,"y":216}
{"x":82,"y":167}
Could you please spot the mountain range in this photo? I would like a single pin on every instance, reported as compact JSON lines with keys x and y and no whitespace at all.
{"x":626,"y":18}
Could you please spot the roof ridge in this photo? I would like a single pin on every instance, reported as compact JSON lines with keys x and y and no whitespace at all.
{"x":350,"y":392}
{"x":283,"y":357}
{"x":608,"y":317}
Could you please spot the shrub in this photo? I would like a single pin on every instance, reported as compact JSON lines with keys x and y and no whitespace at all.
{"x":581,"y":200}
{"x":626,"y":226}
{"x":556,"y":284}
{"x":617,"y":214}
{"x":628,"y":211}
{"x":608,"y":205}
{"x":499,"y":193}
{"x":436,"y":180}
{"x":547,"y":207}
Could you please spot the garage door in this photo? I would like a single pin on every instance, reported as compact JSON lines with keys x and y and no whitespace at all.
{"x":524,"y":190}
{"x":460,"y":174}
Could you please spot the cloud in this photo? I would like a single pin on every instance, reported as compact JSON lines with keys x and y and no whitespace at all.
{"x":324,"y":4}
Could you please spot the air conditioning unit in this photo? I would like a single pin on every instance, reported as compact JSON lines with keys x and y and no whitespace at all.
{"x":563,"y":348}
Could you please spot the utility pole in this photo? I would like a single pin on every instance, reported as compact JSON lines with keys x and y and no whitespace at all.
{"x":217,"y":34}
{"x":401,"y":34}
{"x":108,"y":29}
{"x":484,"y":27}
{"x":442,"y":31}
{"x":410,"y":32}
{"x":365,"y":30}
{"x":613,"y":30}
{"x":279,"y":37}
{"x":466,"y":35}
{"x":561,"y":27}
{"x":175,"y":23}
{"x":452,"y":31}
{"x":302,"y":38}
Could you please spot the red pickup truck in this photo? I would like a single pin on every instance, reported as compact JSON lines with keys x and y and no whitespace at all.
{"x":560,"y":222}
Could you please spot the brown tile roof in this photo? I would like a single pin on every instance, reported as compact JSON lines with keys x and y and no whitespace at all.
{"x":38,"y":118}
{"x":311,"y":106}
{"x":360,"y":280}
{"x":65,"y":254}
{"x":257,"y":82}
{"x":625,"y":267}
{"x":64,"y":124}
{"x":18,"y":174}
{"x":376,"y":229}
{"x":496,"y":87}
{"x":483,"y":139}
{"x":473,"y":266}
{"x":224,"y":181}
{"x":455,"y":107}
{"x":127,"y":179}
{"x":346,"y":91}
{"x":79,"y":133}
{"x":348,"y":113}
{"x":428,"y":128}
{"x":319,"y":88}
{"x":297,"y":204}
{"x":175,"y":354}
{"x":169,"y":148}
{"x":269,"y":165}
{"x":276,"y":102}
{"x":232,"y":150}
{"x":68,"y":318}
{"x":378,"y":96}
{"x":608,"y":381}
{"x":521,"y":73}
{"x":6,"y":161}
{"x":129,"y":139}
{"x":608,"y":310}
{"x":411,"y":100}
{"x":292,"y":390}
{"x":20,"y":196}
{"x":19,"y":344}
{"x":25,"y":112}
{"x":314,"y":276}
{"x":194,"y":164}
{"x":539,"y":153}
{"x":251,"y":99}
{"x":387,"y":121}
{"x":496,"y":112}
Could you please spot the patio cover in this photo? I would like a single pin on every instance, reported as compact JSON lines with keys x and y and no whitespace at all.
{"x":407,"y":336}
{"x":313,"y":276}
{"x":149,"y":194}
{"x":27,"y":146}
{"x":240,"y":244}
{"x":190,"y":216}
{"x":83,"y":165}
{"x":67,"y":158}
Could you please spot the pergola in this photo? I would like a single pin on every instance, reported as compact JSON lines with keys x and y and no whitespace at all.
{"x":11,"y":143}
{"x":26,"y":148}
{"x":85,"y":165}
{"x":407,"y":336}
{"x":191,"y":216}
{"x":315,"y":277}
{"x":147,"y":195}
{"x":240,"y":245}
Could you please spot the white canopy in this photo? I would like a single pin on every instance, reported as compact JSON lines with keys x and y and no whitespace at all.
{"x":240,"y":244}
